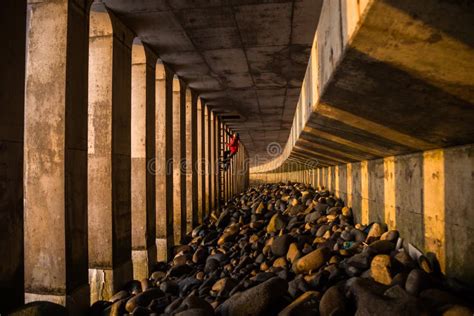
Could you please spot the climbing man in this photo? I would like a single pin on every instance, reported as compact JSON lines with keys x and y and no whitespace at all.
{"x":233,"y":145}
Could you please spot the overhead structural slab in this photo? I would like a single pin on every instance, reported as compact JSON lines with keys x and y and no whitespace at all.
{"x":244,"y":58}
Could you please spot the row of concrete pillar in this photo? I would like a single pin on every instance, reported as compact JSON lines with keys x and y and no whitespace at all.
{"x":107,"y":158}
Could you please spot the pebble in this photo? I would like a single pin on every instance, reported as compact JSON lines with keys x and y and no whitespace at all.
{"x":287,"y":249}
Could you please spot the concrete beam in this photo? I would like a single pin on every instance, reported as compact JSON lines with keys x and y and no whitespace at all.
{"x":55,"y":153}
{"x":367,"y":95}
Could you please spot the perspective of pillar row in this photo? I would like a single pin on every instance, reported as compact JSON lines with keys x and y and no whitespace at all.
{"x":236,"y":157}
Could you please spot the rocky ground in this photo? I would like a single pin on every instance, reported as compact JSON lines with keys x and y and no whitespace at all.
{"x":287,"y":249}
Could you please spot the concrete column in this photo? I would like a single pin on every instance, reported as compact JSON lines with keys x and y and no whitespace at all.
{"x":194,"y":160}
{"x":189,"y":134}
{"x":55,"y":152}
{"x":163,"y":163}
{"x":228,"y":174}
{"x":213,"y":146}
{"x":219,"y":190}
{"x":200,"y":159}
{"x":179,"y":177}
{"x":207,"y":132}
{"x":12,"y":98}
{"x":109,"y":153}
{"x":143,"y":155}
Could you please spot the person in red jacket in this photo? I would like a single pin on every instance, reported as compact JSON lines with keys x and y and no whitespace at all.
{"x":233,"y":145}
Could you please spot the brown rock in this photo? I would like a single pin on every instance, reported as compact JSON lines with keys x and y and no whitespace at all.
{"x":380,"y":269}
{"x":312,"y":261}
{"x":276,"y":223}
{"x":279,"y":263}
{"x":375,"y":232}
{"x":305,"y":304}
{"x":293,"y":253}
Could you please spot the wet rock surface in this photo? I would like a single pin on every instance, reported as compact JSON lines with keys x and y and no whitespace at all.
{"x":288,"y":249}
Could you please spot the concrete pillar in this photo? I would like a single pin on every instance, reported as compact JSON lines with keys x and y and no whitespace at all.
{"x":179,"y":151}
{"x":226,"y":173}
{"x":12,"y":98}
{"x":109,"y":153}
{"x":218,"y":154}
{"x":207,"y":158}
{"x":200,"y":159}
{"x":194,"y":160}
{"x":212,"y":162}
{"x":189,"y":134}
{"x":163,"y":163}
{"x":55,"y":153}
{"x":143,"y":155}
{"x":229,"y":192}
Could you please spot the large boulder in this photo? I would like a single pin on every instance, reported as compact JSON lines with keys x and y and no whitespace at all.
{"x":258,"y":300}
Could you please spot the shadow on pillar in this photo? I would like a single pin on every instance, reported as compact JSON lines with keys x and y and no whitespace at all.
{"x":12,"y":82}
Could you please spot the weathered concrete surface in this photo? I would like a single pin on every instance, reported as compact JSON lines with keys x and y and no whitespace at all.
{"x":207,"y":150}
{"x":163,"y":164}
{"x":426,"y":196}
{"x":143,"y":158}
{"x":192,"y":144}
{"x":201,"y":177}
{"x":179,"y":178}
{"x":190,"y":131}
{"x":109,"y":153}
{"x":55,"y":155}
{"x":12,"y":91}
{"x":385,"y":78}
{"x":267,"y":42}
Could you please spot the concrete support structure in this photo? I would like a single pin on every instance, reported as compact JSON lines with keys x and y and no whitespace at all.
{"x":212,"y":161}
{"x":219,"y":180}
{"x":163,"y":167}
{"x":12,"y":93}
{"x":143,"y":158}
{"x":200,"y":161}
{"x":207,"y":159}
{"x":194,"y":160}
{"x":109,"y":154}
{"x":55,"y":152}
{"x":189,"y":123}
{"x":426,"y":196}
{"x":179,"y":161}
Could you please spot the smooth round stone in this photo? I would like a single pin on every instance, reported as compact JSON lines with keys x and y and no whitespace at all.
{"x":417,"y":281}
{"x":257,"y":300}
{"x":276,"y":223}
{"x":200,"y":255}
{"x":40,"y":308}
{"x":143,"y":299}
{"x":312,"y":261}
{"x":158,"y":275}
{"x":333,"y":302}
{"x":281,"y":244}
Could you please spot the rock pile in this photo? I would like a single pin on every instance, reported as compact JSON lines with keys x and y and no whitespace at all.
{"x":287,"y":249}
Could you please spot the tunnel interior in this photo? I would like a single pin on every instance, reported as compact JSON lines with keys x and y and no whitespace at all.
{"x":237,"y":157}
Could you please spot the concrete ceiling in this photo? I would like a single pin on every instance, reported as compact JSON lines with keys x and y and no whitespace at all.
{"x":244,"y":57}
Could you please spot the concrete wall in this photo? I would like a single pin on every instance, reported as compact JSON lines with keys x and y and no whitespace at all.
{"x":427,"y":196}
